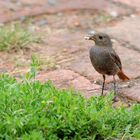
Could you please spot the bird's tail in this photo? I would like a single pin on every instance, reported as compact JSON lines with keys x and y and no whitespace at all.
{"x":122,"y":76}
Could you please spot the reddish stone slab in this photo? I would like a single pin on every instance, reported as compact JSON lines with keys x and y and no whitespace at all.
{"x":12,"y":10}
{"x":131,"y":3}
{"x":130,"y":61}
{"x":68,"y":79}
{"x":133,"y":93}
{"x":73,"y":53}
{"x":127,"y":30}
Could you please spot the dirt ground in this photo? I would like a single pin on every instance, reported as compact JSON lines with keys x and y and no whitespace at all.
{"x":63,"y":25}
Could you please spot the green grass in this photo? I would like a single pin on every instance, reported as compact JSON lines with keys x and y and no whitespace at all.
{"x":36,"y":111}
{"x":15,"y":36}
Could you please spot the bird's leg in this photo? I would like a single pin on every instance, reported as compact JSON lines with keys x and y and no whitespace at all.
{"x":103,"y":85}
{"x":114,"y":81}
{"x":115,"y":92}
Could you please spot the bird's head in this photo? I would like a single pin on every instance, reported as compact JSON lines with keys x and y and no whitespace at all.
{"x":100,"y":39}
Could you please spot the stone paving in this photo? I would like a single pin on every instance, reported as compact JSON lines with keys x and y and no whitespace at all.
{"x":19,"y":9}
{"x":65,"y":23}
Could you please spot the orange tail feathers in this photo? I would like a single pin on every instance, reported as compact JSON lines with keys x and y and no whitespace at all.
{"x":122,"y":76}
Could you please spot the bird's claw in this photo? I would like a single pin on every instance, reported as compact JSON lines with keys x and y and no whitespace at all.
{"x":115,"y":99}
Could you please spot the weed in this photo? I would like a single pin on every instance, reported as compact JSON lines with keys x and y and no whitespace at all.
{"x":32,"y":110}
{"x":41,"y":63}
{"x":14,"y":36}
{"x":102,"y":18}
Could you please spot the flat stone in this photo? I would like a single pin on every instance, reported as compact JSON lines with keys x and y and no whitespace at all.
{"x":133,"y":92}
{"x":107,"y":6}
{"x":130,"y":62}
{"x":131,"y":3}
{"x":68,"y":79}
{"x":127,"y":30}
{"x":73,"y":53}
{"x":22,"y":9}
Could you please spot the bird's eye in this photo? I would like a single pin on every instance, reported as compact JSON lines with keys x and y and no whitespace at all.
{"x":100,"y":37}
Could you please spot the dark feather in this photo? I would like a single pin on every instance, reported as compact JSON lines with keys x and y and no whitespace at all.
{"x":115,"y":58}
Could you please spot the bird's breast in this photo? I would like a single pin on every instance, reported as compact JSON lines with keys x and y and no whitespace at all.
{"x":101,"y":61}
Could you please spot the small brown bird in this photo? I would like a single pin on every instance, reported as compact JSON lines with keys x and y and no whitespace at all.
{"x":104,"y":59}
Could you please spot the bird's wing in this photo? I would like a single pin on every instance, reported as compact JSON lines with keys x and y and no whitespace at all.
{"x":116,"y":58}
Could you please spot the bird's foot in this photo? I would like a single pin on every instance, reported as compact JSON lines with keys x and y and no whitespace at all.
{"x":115,"y":99}
{"x":103,"y":94}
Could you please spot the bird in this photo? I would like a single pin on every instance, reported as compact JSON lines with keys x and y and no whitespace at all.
{"x":104,"y":58}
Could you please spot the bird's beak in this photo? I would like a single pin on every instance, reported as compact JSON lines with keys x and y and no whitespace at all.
{"x":87,"y":37}
{"x":90,"y":36}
